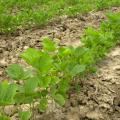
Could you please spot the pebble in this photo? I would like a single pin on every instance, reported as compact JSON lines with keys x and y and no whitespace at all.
{"x":10,"y":110}
{"x":94,"y":115}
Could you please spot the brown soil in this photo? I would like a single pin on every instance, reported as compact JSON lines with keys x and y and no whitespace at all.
{"x":99,"y":97}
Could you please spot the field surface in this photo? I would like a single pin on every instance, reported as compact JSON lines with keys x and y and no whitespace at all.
{"x":21,"y":14}
{"x":23,"y":24}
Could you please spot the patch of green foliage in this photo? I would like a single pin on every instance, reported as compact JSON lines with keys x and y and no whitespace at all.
{"x":17,"y":14}
{"x":54,"y":67}
{"x":102,"y":4}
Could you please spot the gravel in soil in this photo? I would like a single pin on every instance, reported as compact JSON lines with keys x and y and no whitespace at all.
{"x":99,"y":96}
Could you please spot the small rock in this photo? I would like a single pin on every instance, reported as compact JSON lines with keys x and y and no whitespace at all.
{"x":73,"y":103}
{"x":83,"y":110}
{"x":3,"y":63}
{"x":26,"y":47}
{"x":94,"y":115}
{"x":117,"y":68}
{"x":72,"y":117}
{"x":10,"y":110}
{"x":105,"y":106}
{"x":116,"y":52}
{"x":25,"y":107}
{"x":6,"y":53}
{"x":15,"y":117}
{"x":117,"y":108}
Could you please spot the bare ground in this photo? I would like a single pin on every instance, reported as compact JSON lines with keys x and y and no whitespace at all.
{"x":99,"y":97}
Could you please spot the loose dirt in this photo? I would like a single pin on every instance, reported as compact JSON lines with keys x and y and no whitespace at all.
{"x":99,"y":96}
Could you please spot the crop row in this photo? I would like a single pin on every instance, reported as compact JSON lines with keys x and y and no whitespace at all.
{"x":53,"y":68}
{"x":19,"y":14}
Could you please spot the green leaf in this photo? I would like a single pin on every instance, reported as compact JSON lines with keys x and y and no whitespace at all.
{"x":80,"y":51}
{"x":40,"y":60}
{"x":7,"y":93}
{"x":44,"y":63}
{"x":3,"y":90}
{"x":43,"y":105}
{"x":59,"y":99}
{"x":27,"y":74}
{"x":30,"y":85}
{"x":64,"y":86}
{"x":89,"y":57}
{"x":49,"y":45}
{"x":54,"y":80}
{"x":25,"y":115}
{"x":31,"y":55}
{"x":11,"y":92}
{"x":15,"y":71}
{"x":24,"y":99}
{"x":44,"y":82}
{"x":2,"y":117}
{"x":65,"y":51}
{"x":77,"y":69}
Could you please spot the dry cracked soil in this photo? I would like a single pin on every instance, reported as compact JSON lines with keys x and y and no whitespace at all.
{"x":99,"y":96}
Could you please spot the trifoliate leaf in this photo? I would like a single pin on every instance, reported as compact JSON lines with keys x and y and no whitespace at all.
{"x":64,"y":51}
{"x":77,"y":69}
{"x":80,"y":51}
{"x":41,"y":61}
{"x":54,"y":80}
{"x":4,"y":117}
{"x":30,"y":85}
{"x":44,"y":63}
{"x":7,"y":93}
{"x":15,"y":71}
{"x":43,"y":104}
{"x":31,"y":55}
{"x":25,"y":115}
{"x":23,"y":98}
{"x":44,"y":81}
{"x":59,"y":99}
{"x":64,"y":86}
{"x":49,"y":45}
